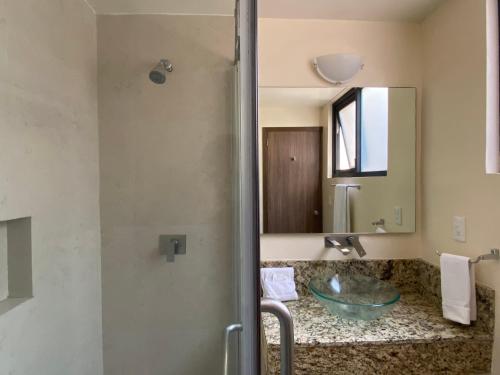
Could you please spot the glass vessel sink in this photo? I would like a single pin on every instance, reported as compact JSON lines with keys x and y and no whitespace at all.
{"x":354,"y":296}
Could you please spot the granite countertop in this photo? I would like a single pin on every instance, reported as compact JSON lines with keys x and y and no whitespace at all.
{"x":414,"y":319}
{"x":413,"y":338}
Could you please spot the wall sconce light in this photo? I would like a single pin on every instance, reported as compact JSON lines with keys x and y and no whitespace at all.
{"x":338,"y":68}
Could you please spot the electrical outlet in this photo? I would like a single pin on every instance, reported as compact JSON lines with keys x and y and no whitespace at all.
{"x":398,"y":215}
{"x":459,"y":228}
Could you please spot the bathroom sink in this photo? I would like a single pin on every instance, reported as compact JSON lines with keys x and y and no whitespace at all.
{"x":353,"y":296}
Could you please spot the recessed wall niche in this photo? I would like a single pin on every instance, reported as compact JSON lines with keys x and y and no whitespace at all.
{"x":16,"y":285}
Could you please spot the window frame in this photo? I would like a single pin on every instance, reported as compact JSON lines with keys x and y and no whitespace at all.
{"x":353,"y":95}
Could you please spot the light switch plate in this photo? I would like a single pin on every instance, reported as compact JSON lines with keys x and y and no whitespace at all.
{"x":459,"y":228}
{"x":398,"y":215}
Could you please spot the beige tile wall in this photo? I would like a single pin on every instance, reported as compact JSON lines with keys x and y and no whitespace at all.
{"x":49,"y":172}
{"x":165,"y":169}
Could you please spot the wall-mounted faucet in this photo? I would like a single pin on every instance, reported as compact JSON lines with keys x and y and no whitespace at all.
{"x":378,"y":223}
{"x":345,"y":244}
{"x":172,"y":245}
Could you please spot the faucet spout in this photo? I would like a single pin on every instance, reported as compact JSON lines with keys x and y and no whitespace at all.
{"x":345,"y":244}
{"x":354,"y":242}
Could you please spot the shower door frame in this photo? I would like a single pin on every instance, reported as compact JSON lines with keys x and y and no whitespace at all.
{"x":247,"y":265}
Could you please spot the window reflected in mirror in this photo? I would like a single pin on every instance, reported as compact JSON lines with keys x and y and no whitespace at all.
{"x":361,"y":132}
{"x":345,"y":141}
{"x":374,"y":127}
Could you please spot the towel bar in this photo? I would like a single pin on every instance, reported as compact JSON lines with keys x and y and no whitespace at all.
{"x":493,"y":255}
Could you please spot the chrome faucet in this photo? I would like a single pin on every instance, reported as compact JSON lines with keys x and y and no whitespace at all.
{"x":345,"y":244}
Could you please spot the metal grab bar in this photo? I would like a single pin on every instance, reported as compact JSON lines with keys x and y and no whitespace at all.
{"x":227,"y":332}
{"x":287,"y":340}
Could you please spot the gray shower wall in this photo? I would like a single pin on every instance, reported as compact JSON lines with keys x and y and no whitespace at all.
{"x":49,"y":171}
{"x":165,"y":160}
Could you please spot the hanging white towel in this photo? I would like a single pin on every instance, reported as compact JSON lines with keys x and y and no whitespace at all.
{"x":341,"y":209}
{"x":458,"y":288}
{"x":278,"y":283}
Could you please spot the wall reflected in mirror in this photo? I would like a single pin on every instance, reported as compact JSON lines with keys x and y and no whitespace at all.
{"x":337,"y":159}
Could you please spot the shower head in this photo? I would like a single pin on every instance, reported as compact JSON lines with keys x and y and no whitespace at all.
{"x":159,"y":73}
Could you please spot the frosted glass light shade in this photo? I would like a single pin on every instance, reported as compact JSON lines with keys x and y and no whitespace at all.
{"x":338,"y":68}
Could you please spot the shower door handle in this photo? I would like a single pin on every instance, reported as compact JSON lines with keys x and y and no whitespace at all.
{"x":287,"y":340}
{"x":227,"y":333}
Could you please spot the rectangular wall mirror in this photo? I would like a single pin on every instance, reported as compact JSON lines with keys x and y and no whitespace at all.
{"x":337,"y":160}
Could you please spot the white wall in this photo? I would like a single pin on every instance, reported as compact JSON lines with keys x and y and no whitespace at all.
{"x":391,"y":51}
{"x":288,"y":116}
{"x":393,"y":57}
{"x":165,"y":169}
{"x":454,"y":129}
{"x":49,"y":171}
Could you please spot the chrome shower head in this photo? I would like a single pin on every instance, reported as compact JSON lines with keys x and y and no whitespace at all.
{"x":159,"y":73}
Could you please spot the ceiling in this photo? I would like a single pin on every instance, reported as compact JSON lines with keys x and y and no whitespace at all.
{"x":370,"y":10}
{"x":297,"y":96}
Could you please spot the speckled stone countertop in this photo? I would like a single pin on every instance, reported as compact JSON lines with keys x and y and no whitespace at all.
{"x":408,"y":275}
{"x":413,"y":338}
{"x":413,"y":319}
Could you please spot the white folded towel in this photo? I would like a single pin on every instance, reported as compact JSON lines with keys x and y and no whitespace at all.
{"x":458,"y":288}
{"x":341,"y":209}
{"x":278,"y":283}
